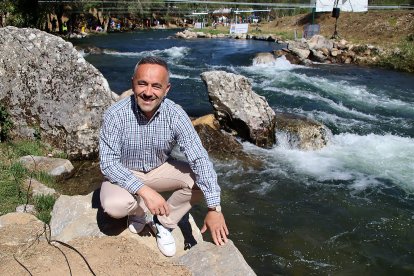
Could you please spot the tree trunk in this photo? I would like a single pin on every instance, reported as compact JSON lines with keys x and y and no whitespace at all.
{"x":59,"y":15}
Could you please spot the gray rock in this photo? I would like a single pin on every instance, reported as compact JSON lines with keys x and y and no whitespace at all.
{"x":317,"y":42}
{"x":301,"y":53}
{"x":50,"y":90}
{"x":237,"y":107}
{"x":75,"y":216}
{"x":54,"y":166}
{"x":301,"y":133}
{"x":318,"y":56}
{"x":26,"y":208}
{"x":37,"y":188}
{"x":19,"y":229}
{"x":335,"y":52}
{"x":301,"y":44}
{"x":263,"y":58}
{"x":207,"y":259}
{"x":186,"y":34}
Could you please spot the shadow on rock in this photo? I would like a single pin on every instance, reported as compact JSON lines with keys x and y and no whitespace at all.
{"x":107,"y":225}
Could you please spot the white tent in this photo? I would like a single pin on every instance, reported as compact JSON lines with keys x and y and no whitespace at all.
{"x":344,"y":5}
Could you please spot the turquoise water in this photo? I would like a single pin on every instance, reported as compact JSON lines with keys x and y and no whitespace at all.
{"x":347,"y":209}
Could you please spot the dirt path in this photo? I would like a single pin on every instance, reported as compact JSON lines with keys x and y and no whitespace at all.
{"x":109,"y":255}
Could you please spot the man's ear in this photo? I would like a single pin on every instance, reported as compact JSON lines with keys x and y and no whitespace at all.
{"x":167,"y":89}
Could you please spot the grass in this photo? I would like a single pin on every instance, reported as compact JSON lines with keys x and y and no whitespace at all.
{"x":44,"y":205}
{"x":211,"y":31}
{"x":284,"y":35}
{"x":401,"y":59}
{"x":13,"y":174}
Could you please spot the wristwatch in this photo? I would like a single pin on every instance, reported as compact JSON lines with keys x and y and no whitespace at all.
{"x":215,"y":208}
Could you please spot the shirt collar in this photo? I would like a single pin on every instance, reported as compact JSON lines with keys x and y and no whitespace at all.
{"x":140,"y":114}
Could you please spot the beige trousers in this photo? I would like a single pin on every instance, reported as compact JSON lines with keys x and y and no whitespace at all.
{"x":173,"y":175}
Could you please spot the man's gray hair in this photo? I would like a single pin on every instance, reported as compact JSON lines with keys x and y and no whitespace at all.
{"x":152,"y":60}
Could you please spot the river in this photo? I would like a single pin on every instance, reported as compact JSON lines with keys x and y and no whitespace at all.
{"x":347,"y":209}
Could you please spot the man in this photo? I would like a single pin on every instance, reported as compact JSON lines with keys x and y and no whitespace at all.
{"x":136,"y":139}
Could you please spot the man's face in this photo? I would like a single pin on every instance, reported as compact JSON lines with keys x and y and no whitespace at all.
{"x":150,"y":85}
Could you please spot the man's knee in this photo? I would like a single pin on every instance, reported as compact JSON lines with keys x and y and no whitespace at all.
{"x":117,"y":207}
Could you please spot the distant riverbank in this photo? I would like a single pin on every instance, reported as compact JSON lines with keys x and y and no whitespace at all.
{"x":390,"y":31}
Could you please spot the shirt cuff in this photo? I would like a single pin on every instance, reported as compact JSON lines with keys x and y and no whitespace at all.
{"x":213,"y":199}
{"x":133,"y":185}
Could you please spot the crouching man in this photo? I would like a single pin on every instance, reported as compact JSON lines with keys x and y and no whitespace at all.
{"x":136,"y":139}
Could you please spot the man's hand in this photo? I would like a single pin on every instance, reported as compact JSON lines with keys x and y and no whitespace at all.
{"x":215,"y":222}
{"x":155,"y":203}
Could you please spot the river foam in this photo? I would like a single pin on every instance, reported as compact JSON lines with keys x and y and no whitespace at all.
{"x":363,"y":161}
{"x":173,"y":53}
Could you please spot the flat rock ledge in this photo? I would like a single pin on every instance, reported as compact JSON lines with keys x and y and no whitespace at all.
{"x":81,"y":216}
{"x":107,"y":244}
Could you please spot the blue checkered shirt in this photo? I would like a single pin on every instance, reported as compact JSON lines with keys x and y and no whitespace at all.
{"x":129,"y":141}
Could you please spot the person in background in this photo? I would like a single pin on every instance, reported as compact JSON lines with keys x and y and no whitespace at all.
{"x":64,"y":28}
{"x":136,"y":139}
{"x":54,"y":24}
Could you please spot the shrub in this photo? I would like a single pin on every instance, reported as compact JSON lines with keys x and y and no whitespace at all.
{"x":401,"y":58}
{"x":44,"y":205}
{"x":22,"y":148}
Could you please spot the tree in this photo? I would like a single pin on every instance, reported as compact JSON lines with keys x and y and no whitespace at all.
{"x":29,"y":10}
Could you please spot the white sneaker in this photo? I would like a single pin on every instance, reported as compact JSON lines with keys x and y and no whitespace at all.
{"x":136,"y":224}
{"x":165,"y":240}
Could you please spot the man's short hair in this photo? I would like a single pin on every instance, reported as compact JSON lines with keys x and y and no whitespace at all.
{"x":152,"y":60}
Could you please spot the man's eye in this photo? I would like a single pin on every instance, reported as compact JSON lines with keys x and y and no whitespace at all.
{"x":141,"y":83}
{"x":158,"y":87}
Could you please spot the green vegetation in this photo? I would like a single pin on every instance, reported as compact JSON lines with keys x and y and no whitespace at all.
{"x":44,"y":204}
{"x":401,"y":58}
{"x":211,"y":31}
{"x":13,"y":174}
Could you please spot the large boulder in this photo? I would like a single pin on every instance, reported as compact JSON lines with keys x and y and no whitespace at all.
{"x":318,"y":42}
{"x":220,"y":144}
{"x":51,"y":92}
{"x":264,"y":58}
{"x":237,"y":107}
{"x":301,"y":133}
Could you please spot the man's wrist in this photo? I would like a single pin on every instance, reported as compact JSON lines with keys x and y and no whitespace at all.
{"x":215,"y":208}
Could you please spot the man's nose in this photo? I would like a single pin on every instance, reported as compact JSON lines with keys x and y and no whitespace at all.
{"x":148,"y":90}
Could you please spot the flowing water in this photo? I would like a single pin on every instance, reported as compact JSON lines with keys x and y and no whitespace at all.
{"x":347,"y":209}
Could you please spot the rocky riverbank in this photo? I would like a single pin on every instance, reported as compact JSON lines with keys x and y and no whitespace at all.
{"x":374,"y":38}
{"x":317,"y":49}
